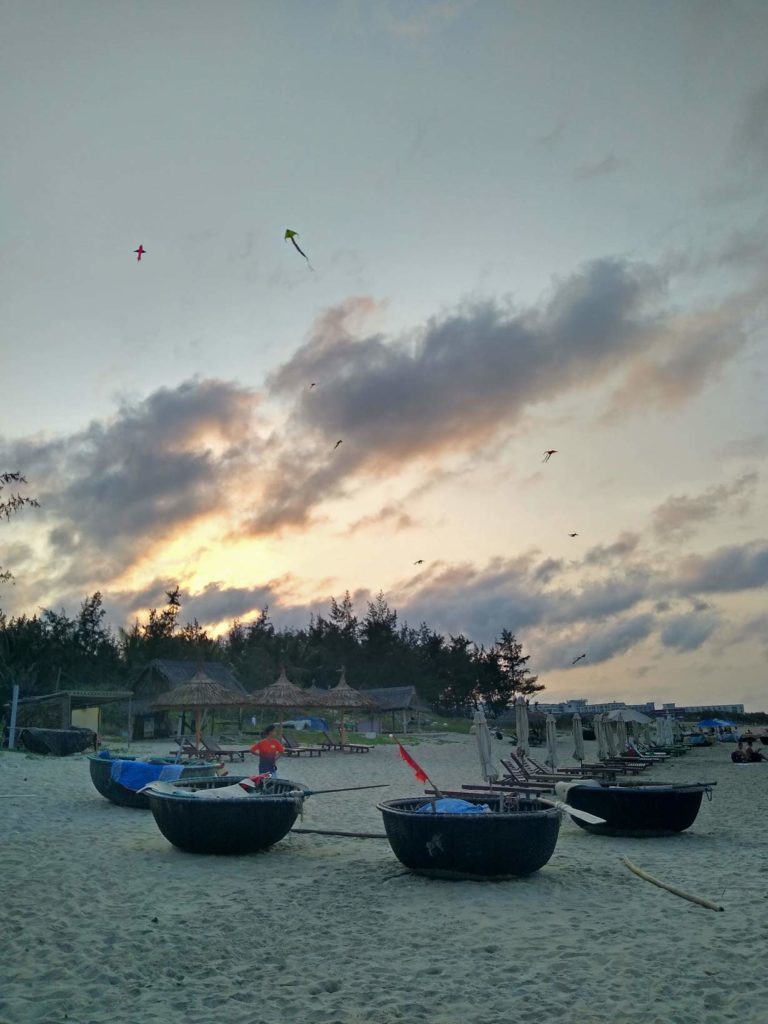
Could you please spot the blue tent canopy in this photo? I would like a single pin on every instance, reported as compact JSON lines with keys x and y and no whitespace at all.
{"x":714,"y":723}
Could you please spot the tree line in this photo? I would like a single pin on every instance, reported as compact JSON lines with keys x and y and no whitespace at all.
{"x":52,"y":651}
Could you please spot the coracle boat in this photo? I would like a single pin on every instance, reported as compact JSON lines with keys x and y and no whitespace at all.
{"x":60,"y":742}
{"x":637,"y":809}
{"x":192,"y":816}
{"x":517,"y":838}
{"x":104,"y":770}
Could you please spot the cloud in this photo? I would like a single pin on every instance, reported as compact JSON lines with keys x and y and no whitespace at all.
{"x":697,"y":346}
{"x":751,"y":136}
{"x":598,"y":168}
{"x":417,"y":21}
{"x":689,"y":631}
{"x":625,"y":545}
{"x":600,"y":642}
{"x":393,"y":516}
{"x":673,"y":519}
{"x":469,"y":375}
{"x":753,"y":447}
{"x":116,"y":489}
{"x":727,"y":570}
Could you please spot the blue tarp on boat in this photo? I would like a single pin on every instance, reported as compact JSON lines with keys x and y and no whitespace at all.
{"x":134,"y":775}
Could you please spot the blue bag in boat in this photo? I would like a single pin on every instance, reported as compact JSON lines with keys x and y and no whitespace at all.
{"x":450,"y":805}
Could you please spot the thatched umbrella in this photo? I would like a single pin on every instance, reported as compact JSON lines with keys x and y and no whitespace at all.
{"x":345,"y":698}
{"x":200,"y":694}
{"x":282,"y":695}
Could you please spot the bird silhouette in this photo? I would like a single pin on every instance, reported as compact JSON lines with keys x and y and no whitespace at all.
{"x":548,"y":454}
{"x":312,"y":385}
{"x":573,"y":535}
{"x":578,"y":659}
{"x":336,"y":445}
{"x":141,"y":250}
{"x":419,"y":561}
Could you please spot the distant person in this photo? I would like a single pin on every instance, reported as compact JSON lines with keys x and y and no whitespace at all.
{"x":269,"y":748}
{"x":738,"y":756}
{"x":752,"y":755}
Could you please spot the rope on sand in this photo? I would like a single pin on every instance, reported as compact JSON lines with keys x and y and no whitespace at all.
{"x":670,"y":888}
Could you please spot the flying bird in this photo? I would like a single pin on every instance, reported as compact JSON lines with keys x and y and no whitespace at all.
{"x":336,"y":445}
{"x":573,"y":535}
{"x":312,"y":385}
{"x":419,"y":561}
{"x":292,"y":235}
{"x":578,"y":659}
{"x":548,"y":455}
{"x":141,"y":250}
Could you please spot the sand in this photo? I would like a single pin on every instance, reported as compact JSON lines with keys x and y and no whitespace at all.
{"x":104,"y":921}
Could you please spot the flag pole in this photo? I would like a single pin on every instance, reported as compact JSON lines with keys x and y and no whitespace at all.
{"x":418,"y":771}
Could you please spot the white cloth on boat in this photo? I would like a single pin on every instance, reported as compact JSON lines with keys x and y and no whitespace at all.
{"x":562,"y":788}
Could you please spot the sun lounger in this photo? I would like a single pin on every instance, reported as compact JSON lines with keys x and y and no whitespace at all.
{"x":293,"y":749}
{"x":587,"y":770}
{"x":186,"y":748}
{"x":233,"y":753}
{"x":350,"y":748}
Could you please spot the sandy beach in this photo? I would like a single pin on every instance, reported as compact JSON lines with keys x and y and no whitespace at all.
{"x":104,"y":921}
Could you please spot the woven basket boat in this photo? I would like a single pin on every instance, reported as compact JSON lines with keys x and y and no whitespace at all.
{"x":498,"y":844}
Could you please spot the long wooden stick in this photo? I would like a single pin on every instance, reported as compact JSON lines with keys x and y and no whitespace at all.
{"x":670,"y":888}
{"x":327,"y":832}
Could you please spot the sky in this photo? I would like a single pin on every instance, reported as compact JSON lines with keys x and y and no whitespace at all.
{"x":529,"y":227}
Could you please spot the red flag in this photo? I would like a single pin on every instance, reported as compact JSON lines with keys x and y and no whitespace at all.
{"x":421,"y":775}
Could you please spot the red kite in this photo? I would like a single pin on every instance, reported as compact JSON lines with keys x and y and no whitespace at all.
{"x":141,"y":250}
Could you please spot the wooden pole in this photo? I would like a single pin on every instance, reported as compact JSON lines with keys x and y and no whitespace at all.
{"x":670,"y":888}
{"x":12,"y":724}
{"x":328,"y":832}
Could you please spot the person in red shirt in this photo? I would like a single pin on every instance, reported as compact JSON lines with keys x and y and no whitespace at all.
{"x":269,"y":748}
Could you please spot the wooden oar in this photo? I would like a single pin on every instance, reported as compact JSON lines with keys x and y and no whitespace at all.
{"x":344,"y":789}
{"x":592,"y":819}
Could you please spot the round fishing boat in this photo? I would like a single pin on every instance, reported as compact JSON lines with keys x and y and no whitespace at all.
{"x":496,"y":844}
{"x":101,"y":777}
{"x":240,"y":824}
{"x":637,"y":809}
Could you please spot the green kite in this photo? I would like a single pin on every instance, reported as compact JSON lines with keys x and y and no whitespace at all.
{"x":293,"y":235}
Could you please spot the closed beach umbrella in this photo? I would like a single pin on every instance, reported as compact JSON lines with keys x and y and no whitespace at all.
{"x":611,"y":740}
{"x":621,"y":733}
{"x":551,"y":728}
{"x":200,"y":694}
{"x":346,"y":698}
{"x":600,"y":735}
{"x":669,"y":730}
{"x":578,"y":739}
{"x":483,"y":737}
{"x":521,"y":726}
{"x":282,"y":695}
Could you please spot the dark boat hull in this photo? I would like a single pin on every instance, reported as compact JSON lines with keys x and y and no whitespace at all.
{"x":101,"y":777}
{"x":60,"y":742}
{"x":495,"y":845}
{"x":638,"y":811}
{"x":231,"y":826}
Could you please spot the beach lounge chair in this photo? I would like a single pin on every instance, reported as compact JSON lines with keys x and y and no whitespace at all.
{"x":185,"y":747}
{"x":233,"y":753}
{"x":293,"y":749}
{"x":349,"y":748}
{"x":586,"y":770}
